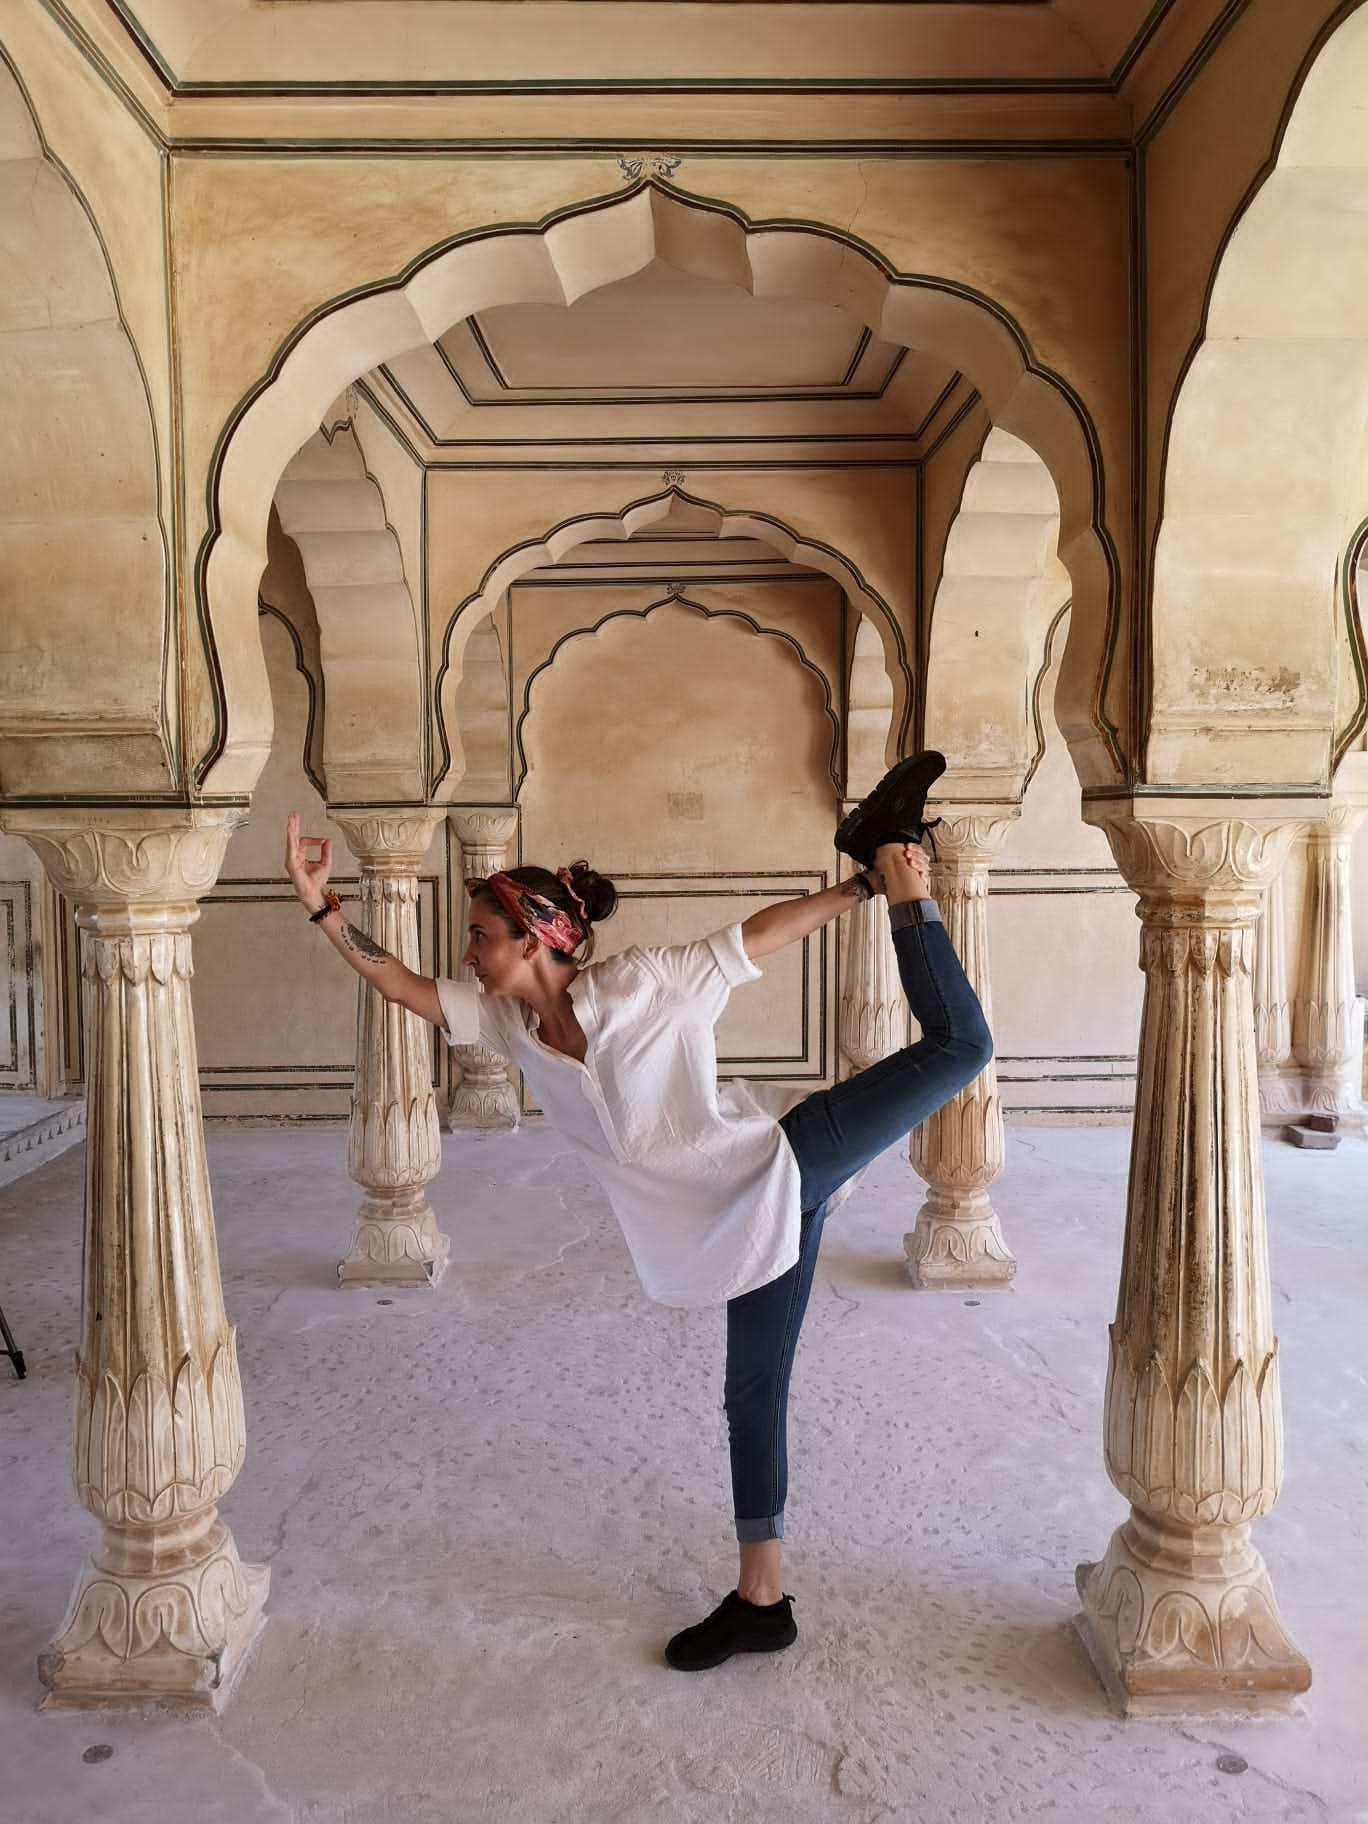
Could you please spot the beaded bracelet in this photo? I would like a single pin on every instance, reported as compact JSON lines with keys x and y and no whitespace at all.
{"x":331,"y":903}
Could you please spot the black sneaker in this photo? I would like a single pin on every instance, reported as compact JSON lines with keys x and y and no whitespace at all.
{"x":735,"y":1626}
{"x":894,"y":811}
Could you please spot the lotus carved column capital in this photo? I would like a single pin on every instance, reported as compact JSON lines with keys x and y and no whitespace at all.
{"x":389,"y":839}
{"x":1193,"y":859}
{"x":114,"y":860}
{"x":484,"y":827}
{"x":969,"y":837}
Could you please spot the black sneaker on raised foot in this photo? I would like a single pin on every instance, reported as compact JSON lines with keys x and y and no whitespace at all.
{"x":735,"y":1626}
{"x":895,"y":811}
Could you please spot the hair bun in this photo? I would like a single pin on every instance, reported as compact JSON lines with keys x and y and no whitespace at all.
{"x":599,"y":894}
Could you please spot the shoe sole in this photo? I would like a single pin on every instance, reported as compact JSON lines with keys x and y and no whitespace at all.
{"x":720,"y":1659}
{"x":871,"y":810}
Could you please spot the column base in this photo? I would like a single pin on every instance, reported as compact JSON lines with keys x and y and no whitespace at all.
{"x":173,"y":1640}
{"x":1280,"y":1098}
{"x":1186,"y":1620}
{"x":483,"y":1107}
{"x":958,"y":1244}
{"x":397,"y":1243}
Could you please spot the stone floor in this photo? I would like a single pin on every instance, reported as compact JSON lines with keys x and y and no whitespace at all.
{"x":485,"y":1508}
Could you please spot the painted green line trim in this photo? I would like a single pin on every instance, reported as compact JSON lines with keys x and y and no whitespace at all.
{"x":315,"y":687}
{"x":1358,"y":654}
{"x":1138,"y":45}
{"x":1038,"y":723}
{"x":100,"y":64}
{"x":1301,"y":788}
{"x":1083,"y":149}
{"x":1188,"y":74}
{"x":797,"y":577}
{"x":720,"y":614}
{"x":582,"y":398}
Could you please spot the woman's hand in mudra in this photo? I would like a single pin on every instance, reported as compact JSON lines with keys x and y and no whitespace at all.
{"x":308,"y":874}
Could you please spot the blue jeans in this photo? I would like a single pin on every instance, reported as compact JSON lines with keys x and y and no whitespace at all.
{"x":835,"y":1133}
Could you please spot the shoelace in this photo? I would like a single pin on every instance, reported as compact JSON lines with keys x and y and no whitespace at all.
{"x":926,"y":829}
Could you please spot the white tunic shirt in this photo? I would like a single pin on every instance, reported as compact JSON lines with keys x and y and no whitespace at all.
{"x":702,"y":1180}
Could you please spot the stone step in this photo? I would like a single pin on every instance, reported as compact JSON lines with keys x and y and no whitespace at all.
{"x":55,"y":1126}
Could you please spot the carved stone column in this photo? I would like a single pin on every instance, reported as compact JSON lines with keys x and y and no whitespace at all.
{"x":1327,"y":1024}
{"x":960,"y":1150}
{"x":1180,"y":1612}
{"x":484,"y":1098}
{"x":395,"y":1145}
{"x":873,"y":1011}
{"x":164,"y":1611}
{"x":1279,"y":1087}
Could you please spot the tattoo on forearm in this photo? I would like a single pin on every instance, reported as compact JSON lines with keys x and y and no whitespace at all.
{"x":363,"y":946}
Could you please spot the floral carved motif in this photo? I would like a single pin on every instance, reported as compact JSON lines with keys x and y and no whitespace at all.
{"x":128,"y":857}
{"x":395,"y":839}
{"x":149,"y":1450}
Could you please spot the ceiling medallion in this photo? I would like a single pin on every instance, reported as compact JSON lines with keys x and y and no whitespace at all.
{"x":660,"y":165}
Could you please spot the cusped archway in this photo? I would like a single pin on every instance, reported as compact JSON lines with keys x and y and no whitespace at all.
{"x":594,"y":245}
{"x":676,"y":508}
{"x":1001,"y":587}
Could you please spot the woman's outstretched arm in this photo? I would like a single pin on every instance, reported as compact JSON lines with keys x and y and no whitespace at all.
{"x":789,"y":919}
{"x":385,"y":973}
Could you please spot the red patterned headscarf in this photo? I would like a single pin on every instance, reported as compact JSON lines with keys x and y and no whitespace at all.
{"x":533,"y":914}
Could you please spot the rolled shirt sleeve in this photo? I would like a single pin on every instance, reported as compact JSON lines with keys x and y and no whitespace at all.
{"x":460,"y":1005}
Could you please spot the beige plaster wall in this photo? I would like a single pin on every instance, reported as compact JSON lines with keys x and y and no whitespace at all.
{"x":1063,"y":942}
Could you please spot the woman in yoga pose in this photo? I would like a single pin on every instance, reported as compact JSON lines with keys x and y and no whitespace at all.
{"x":720,"y":1202}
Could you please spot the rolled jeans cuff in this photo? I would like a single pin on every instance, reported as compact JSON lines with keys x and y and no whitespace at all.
{"x":756,"y":1532}
{"x":913,"y":912}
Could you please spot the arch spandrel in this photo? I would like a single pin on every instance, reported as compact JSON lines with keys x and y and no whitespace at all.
{"x":593,"y":244}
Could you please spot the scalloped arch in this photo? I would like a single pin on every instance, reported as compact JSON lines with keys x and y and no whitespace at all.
{"x":373,"y":732}
{"x":637,"y":516}
{"x":711,"y":614}
{"x":556,"y":261}
{"x":1001,"y":586}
